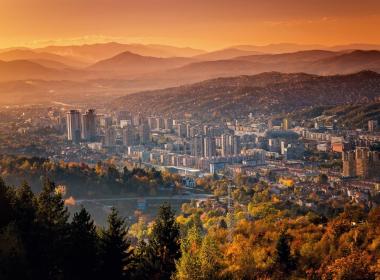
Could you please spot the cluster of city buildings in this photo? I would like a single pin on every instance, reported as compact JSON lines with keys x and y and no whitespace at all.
{"x":229,"y":147}
{"x":361,"y":162}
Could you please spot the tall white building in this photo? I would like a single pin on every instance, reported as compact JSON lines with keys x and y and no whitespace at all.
{"x":73,"y":123}
{"x":209,"y":145}
{"x":230,"y":145}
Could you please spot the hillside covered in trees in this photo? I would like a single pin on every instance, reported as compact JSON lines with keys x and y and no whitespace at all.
{"x":82,"y":180}
{"x":270,"y":92}
{"x":269,"y":239}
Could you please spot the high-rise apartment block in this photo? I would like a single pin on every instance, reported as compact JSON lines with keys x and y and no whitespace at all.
{"x":197,"y":146}
{"x":129,"y":136}
{"x":168,"y":123}
{"x":152,"y":123}
{"x":181,"y":130}
{"x":209,"y":147}
{"x":110,"y":137}
{"x":362,"y":163}
{"x":88,"y":125}
{"x":372,"y":125}
{"x":348,"y":164}
{"x":230,"y":145}
{"x":73,"y":124}
{"x":144,"y":133}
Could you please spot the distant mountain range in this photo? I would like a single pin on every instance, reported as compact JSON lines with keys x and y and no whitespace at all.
{"x":95,"y":52}
{"x":313,"y":62}
{"x":114,"y":68}
{"x":267,"y":92}
{"x":181,"y":70}
{"x":289,"y":47}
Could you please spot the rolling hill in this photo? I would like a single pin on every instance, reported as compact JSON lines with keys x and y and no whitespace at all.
{"x":128,"y":63}
{"x":225,"y":54}
{"x":29,"y":70}
{"x":266,"y":92}
{"x":23,"y":69}
{"x":26,"y":54}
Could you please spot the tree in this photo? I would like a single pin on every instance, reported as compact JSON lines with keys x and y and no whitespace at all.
{"x":355,"y":266}
{"x":165,"y":242}
{"x":115,"y":255}
{"x":284,"y":259}
{"x":25,"y":208}
{"x":51,"y":235}
{"x":12,"y":254}
{"x":188,"y":266}
{"x":209,"y":256}
{"x":25,"y":211}
{"x":5,"y":205}
{"x":83,"y":252}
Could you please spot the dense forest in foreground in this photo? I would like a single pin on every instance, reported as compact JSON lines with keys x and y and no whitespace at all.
{"x":38,"y":240}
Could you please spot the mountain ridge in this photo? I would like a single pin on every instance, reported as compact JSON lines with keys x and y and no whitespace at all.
{"x":267,"y":92}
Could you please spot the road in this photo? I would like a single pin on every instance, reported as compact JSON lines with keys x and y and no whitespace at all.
{"x":129,"y":198}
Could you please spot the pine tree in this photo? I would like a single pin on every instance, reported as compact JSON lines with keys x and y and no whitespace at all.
{"x":165,"y":242}
{"x":13,"y":264}
{"x":284,"y":259}
{"x":144,"y":263}
{"x":115,"y":255}
{"x":25,"y":209}
{"x":51,"y":235}
{"x":83,"y":252}
{"x":5,"y":204}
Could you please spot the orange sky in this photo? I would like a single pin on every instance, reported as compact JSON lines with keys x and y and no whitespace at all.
{"x":206,"y":24}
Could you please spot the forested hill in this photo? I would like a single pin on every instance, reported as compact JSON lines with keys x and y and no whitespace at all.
{"x":266,"y":92}
{"x":81,"y":180}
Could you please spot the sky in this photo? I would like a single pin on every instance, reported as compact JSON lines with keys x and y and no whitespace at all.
{"x":205,"y":24}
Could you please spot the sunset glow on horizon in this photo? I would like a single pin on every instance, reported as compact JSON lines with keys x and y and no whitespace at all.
{"x":201,"y":24}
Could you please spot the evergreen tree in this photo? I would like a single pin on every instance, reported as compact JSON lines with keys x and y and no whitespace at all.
{"x":13,"y":264}
{"x":165,"y":242}
{"x":51,"y":235}
{"x":115,"y":255}
{"x":144,"y":263}
{"x":284,"y":259}
{"x":5,"y":204}
{"x":83,"y":252}
{"x":25,"y":209}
